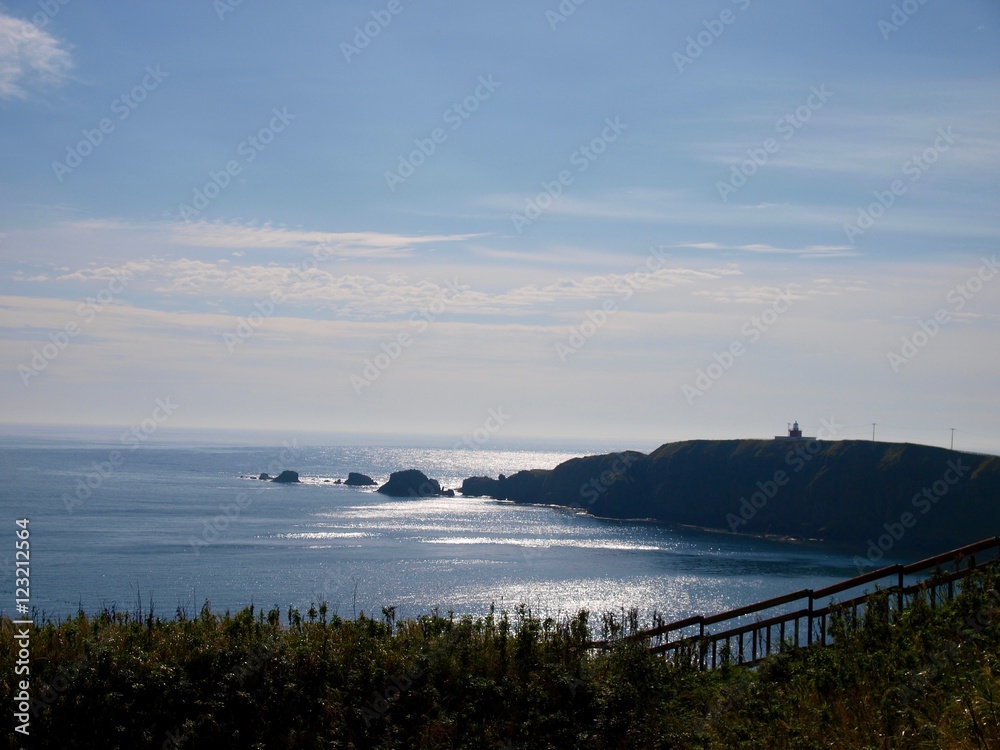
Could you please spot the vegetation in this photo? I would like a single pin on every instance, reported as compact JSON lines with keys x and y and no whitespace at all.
{"x":927,"y":679}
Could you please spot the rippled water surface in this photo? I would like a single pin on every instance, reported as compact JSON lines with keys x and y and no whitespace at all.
{"x":179,"y":526}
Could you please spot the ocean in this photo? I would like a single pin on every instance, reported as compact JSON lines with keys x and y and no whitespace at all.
{"x":135,"y":525}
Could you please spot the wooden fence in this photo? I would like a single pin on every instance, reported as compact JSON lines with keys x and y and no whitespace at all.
{"x":730,"y":637}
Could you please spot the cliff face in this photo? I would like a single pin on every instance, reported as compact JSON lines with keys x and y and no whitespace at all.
{"x":848,"y":491}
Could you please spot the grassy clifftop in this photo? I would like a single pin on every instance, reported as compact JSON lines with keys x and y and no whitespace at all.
{"x":929,"y":679}
{"x":847,"y":491}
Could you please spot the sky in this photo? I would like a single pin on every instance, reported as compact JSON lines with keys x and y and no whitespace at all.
{"x":636,"y":222}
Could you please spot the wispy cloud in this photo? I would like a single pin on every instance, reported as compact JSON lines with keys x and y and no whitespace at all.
{"x":670,"y":207}
{"x":810,"y":251}
{"x":267,"y":236}
{"x":869,"y":134}
{"x":762,"y":294}
{"x":352,"y":244}
{"x":362,"y":296}
{"x":29,"y":57}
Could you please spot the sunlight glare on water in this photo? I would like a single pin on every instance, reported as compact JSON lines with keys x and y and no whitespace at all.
{"x":159,"y":529}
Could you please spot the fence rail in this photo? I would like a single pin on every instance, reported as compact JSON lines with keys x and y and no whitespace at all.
{"x":748,"y":642}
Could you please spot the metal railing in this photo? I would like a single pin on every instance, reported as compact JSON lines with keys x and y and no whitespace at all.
{"x":747,"y":643}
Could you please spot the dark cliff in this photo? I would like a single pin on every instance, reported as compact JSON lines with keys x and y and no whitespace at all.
{"x":848,"y":491}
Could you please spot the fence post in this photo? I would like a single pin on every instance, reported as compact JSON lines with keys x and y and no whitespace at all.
{"x":702,"y":646}
{"x":809,"y":637}
{"x":902,"y":583}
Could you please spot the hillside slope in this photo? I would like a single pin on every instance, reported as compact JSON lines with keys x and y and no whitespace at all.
{"x":850,"y":491}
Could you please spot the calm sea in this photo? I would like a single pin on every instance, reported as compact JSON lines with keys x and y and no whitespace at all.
{"x":179,"y":526}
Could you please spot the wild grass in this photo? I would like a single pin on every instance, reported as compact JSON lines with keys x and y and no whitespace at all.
{"x":263,"y":679}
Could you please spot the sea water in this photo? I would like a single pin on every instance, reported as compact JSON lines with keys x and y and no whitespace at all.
{"x":175,"y":526}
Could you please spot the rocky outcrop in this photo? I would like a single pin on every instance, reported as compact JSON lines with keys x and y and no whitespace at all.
{"x":410,"y":483}
{"x":481,"y":487}
{"x":355,"y":479}
{"x":523,"y":487}
{"x":265,"y":477}
{"x":850,"y":491}
{"x":287,"y":477}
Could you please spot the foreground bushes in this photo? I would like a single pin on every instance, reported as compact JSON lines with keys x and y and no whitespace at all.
{"x":931,"y":679}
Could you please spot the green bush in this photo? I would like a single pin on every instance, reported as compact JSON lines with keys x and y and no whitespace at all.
{"x":927,"y":679}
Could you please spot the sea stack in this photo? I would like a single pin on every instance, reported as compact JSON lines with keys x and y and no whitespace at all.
{"x":354,"y":479}
{"x":410,"y":483}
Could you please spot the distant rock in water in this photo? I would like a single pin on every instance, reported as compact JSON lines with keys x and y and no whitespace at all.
{"x":410,"y":483}
{"x":481,"y":486}
{"x":287,"y":477}
{"x":265,"y":477}
{"x":354,"y":479}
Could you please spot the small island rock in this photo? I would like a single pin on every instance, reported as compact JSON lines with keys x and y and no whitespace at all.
{"x":287,"y":477}
{"x":481,"y":486}
{"x":410,"y":483}
{"x":354,"y":479}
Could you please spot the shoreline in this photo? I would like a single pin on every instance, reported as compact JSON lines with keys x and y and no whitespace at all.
{"x":783,"y":538}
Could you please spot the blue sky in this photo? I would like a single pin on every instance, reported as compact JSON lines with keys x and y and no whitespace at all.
{"x":641,"y":223}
